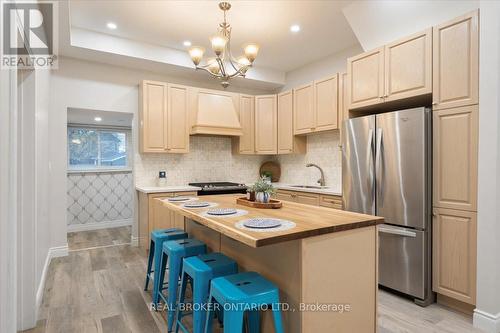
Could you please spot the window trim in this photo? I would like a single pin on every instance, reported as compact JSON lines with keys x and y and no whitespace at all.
{"x":106,"y":168}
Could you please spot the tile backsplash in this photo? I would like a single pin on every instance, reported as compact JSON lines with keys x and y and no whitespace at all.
{"x":211,"y":159}
{"x":323,"y":150}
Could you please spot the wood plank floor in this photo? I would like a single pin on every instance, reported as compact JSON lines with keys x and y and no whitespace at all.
{"x":100,"y":289}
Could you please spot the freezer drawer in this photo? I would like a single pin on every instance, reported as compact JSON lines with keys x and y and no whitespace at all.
{"x":402,"y":259}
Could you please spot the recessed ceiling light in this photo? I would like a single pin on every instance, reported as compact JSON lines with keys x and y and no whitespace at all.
{"x":295,"y":28}
{"x":111,"y":25}
{"x":187,"y":43}
{"x":97,"y":118}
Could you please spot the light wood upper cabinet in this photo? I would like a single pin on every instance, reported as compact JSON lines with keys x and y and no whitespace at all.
{"x":326,"y":103}
{"x":456,"y":62}
{"x":454,"y":254}
{"x":246,"y":142}
{"x":408,"y":67}
{"x":365,"y":73}
{"x":343,"y":107}
{"x":266,"y":124}
{"x":303,"y":105}
{"x":153,"y":117}
{"x":287,"y":142}
{"x":455,"y":141}
{"x":163,"y":118}
{"x":177,"y":120}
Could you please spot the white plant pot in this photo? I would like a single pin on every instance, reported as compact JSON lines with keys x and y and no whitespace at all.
{"x":262,"y":197}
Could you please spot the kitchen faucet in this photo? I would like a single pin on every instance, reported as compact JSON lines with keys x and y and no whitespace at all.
{"x":321,"y":181}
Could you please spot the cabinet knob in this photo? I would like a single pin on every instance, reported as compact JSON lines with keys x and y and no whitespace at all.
{"x":434,"y":103}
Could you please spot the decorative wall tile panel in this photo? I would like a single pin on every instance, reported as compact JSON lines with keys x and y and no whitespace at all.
{"x":99,"y":197}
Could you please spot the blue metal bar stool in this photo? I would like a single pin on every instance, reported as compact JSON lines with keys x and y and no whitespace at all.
{"x":199,"y":271}
{"x":240,"y":293}
{"x":158,"y":237}
{"x":175,"y":251}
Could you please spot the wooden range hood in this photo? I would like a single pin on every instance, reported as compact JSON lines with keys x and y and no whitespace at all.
{"x":214,"y":112}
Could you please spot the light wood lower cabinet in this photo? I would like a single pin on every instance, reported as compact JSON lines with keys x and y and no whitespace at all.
{"x":153,"y":215}
{"x":454,"y":254}
{"x":456,"y":62}
{"x":455,"y":141}
{"x":307,"y":198}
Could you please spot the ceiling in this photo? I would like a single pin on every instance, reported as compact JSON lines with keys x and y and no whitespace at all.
{"x":108,"y":118}
{"x":324,"y":29}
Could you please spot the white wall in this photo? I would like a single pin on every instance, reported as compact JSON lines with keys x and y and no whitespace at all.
{"x":8,"y":201}
{"x":335,"y":63}
{"x":380,"y":22}
{"x":487,"y":313}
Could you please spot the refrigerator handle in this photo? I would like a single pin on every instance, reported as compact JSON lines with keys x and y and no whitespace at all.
{"x":399,"y":232}
{"x":378,"y":153}
{"x":369,"y":160}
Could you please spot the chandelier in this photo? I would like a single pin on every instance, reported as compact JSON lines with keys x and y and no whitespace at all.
{"x":224,"y":66}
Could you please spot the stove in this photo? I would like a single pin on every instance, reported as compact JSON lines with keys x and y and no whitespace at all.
{"x":220,"y":188}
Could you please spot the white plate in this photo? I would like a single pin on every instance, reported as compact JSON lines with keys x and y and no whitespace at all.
{"x":262,"y":223}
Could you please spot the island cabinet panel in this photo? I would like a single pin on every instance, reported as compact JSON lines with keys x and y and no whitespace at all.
{"x":246,"y":142}
{"x":348,"y":265}
{"x":163,"y":118}
{"x":154,"y":215}
{"x":456,"y":62}
{"x":153,"y":117}
{"x":177,"y":120}
{"x":455,"y":141}
{"x":303,"y":109}
{"x":365,"y":76}
{"x":454,"y":254}
{"x":326,"y":103}
{"x":266,"y":125}
{"x":408,"y":66}
{"x":287,"y":142}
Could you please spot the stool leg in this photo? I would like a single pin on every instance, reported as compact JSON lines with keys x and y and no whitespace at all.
{"x":158,"y":282}
{"x":182,"y":297}
{"x":278,"y":325}
{"x":233,"y":321}
{"x":210,"y":314}
{"x":173,"y":280}
{"x":150,"y":262}
{"x":200,"y":296}
{"x":253,"y":321}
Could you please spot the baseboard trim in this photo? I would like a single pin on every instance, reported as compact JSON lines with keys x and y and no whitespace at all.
{"x":99,"y":225}
{"x":54,"y":252}
{"x":490,"y":323}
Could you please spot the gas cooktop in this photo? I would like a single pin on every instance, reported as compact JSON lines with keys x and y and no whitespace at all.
{"x":220,"y":188}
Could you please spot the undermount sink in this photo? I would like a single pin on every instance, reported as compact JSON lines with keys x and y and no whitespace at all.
{"x":309,"y":186}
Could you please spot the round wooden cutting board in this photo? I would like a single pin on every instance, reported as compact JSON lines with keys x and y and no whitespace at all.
{"x":274,"y":168}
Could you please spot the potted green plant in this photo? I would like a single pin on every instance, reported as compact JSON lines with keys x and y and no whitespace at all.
{"x":263,"y":190}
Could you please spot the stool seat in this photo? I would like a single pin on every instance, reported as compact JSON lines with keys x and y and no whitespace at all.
{"x":158,"y":237}
{"x":242,"y":293}
{"x":175,"y":251}
{"x":199,"y":271}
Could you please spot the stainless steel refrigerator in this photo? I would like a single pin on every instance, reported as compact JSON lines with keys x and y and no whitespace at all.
{"x":386,"y":171}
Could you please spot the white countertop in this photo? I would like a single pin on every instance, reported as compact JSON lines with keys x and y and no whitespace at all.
{"x":166,"y":189}
{"x":326,"y":190}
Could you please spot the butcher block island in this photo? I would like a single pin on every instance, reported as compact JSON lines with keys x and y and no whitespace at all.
{"x":323,"y":260}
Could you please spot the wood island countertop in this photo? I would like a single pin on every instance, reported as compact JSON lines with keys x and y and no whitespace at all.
{"x":310,"y":220}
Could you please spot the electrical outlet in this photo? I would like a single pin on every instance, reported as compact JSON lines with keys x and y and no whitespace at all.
{"x":162,"y":174}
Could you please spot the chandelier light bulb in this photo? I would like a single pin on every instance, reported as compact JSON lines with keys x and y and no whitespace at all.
{"x":218,"y":44}
{"x":243,"y":61}
{"x":213,"y":66}
{"x":196,"y":54}
{"x":251,"y":51}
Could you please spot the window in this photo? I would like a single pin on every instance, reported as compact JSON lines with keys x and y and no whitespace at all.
{"x":91,"y":148}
